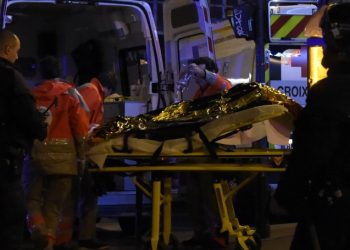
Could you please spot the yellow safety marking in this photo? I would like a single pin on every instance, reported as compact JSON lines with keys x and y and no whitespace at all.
{"x":288,"y":26}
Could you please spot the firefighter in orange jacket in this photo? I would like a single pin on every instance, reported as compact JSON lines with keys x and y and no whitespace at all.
{"x":88,"y":59}
{"x":93,"y":93}
{"x":204,"y":72}
{"x":48,"y":179}
{"x":210,"y":83}
{"x":200,"y":195}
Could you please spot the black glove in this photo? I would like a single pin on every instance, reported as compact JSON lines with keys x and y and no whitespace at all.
{"x":41,"y":131}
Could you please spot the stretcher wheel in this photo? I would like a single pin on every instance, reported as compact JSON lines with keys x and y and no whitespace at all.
{"x":251,"y":244}
{"x":127,"y":224}
{"x":173,"y":244}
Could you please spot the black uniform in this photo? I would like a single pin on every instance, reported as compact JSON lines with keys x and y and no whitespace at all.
{"x":20,"y":124}
{"x":316,"y":186}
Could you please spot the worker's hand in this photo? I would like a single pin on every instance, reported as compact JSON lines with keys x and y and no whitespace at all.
{"x":92,"y":127}
{"x":196,"y":70}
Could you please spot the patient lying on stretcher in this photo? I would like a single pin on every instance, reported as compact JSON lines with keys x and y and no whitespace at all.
{"x":244,"y":114}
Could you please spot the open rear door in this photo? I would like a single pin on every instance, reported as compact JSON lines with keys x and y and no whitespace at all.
{"x":3,"y":4}
{"x":187,"y":35}
{"x":153,"y":51}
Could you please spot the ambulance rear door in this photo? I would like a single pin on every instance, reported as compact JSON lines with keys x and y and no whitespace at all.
{"x":235,"y":57}
{"x":3,"y":4}
{"x":288,"y":67}
{"x":187,"y":35}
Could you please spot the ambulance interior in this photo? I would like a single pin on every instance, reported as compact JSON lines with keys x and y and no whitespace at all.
{"x":57,"y":29}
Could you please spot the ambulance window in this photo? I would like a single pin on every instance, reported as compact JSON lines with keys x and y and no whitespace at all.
{"x":184,"y":15}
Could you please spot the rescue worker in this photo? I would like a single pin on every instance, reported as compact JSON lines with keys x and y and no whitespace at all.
{"x":21,"y":123}
{"x":200,"y":193}
{"x":93,"y":93}
{"x":48,"y":178}
{"x":316,"y":185}
{"x":205,"y":73}
{"x":93,"y":86}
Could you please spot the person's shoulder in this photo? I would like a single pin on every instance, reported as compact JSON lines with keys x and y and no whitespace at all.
{"x":5,"y":63}
{"x":7,"y":76}
{"x":89,"y":89}
{"x":320,"y":86}
{"x":6,"y":66}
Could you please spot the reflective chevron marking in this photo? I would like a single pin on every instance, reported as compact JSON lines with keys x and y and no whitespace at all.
{"x":288,"y":26}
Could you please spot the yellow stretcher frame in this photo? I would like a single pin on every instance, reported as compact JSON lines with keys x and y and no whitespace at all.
{"x":224,"y":193}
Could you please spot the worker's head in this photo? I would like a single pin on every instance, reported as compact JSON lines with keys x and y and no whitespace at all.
{"x":87,"y":57}
{"x":109,"y":81}
{"x":335,"y":26}
{"x":197,"y":69}
{"x":49,"y":67}
{"x":9,"y":45}
{"x":207,"y":62}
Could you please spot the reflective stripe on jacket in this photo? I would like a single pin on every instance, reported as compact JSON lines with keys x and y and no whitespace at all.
{"x":216,"y":84}
{"x":93,"y":95}
{"x":67,"y":129}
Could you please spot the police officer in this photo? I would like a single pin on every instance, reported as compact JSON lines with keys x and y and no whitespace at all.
{"x":316,"y":186}
{"x":20,"y":125}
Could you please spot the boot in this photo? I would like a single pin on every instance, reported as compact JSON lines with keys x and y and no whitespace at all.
{"x":38,"y":231}
{"x":51,"y":239}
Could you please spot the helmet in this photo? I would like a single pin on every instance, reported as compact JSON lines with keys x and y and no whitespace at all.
{"x":336,"y":22}
{"x":335,"y":26}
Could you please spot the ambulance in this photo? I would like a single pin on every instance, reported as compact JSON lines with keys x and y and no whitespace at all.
{"x":289,"y":56}
{"x":129,"y":44}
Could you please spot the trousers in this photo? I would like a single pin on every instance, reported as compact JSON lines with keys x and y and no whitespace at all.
{"x":46,"y":196}
{"x":12,"y":208}
{"x":87,"y":207}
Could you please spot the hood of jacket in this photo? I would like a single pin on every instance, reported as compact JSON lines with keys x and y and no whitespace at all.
{"x":49,"y":88}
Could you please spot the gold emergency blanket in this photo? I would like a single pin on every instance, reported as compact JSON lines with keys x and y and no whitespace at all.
{"x":244,"y":114}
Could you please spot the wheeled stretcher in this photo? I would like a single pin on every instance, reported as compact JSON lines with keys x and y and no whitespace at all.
{"x":160,"y":190}
{"x":194,"y":129}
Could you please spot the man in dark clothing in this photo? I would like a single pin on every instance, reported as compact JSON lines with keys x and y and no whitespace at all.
{"x":316,"y":186}
{"x":20,"y":125}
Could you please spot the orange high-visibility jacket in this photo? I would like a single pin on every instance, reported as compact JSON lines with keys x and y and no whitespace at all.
{"x":216,"y":84}
{"x":93,"y":95}
{"x":67,"y":128}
